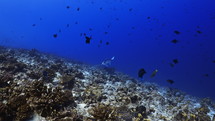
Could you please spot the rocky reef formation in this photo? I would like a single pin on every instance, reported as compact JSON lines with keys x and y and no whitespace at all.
{"x":41,"y":87}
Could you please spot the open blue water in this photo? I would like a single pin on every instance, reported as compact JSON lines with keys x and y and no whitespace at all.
{"x":138,"y":33}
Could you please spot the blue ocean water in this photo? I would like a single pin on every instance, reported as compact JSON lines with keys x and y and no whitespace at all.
{"x":147,"y":34}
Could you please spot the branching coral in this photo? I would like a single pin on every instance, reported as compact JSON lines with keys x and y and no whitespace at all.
{"x":68,"y":81}
{"x":4,"y":79}
{"x":48,"y":75}
{"x":103,"y":112}
{"x":47,"y":100}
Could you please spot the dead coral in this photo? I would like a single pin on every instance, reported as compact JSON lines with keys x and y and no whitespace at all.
{"x":33,"y":53}
{"x":15,"y":107}
{"x":34,"y":75}
{"x":67,"y":115}
{"x":135,"y":99}
{"x":48,"y":75}
{"x":5,"y":79}
{"x":48,"y":100}
{"x":92,"y":94}
{"x":103,"y":112}
{"x":3,"y":58}
{"x":36,"y":89}
{"x":24,"y":112}
{"x":21,"y":102}
{"x":74,"y":72}
{"x":13,"y":66}
{"x":68,"y":81}
{"x":6,"y":113}
{"x":16,"y":101}
{"x":199,"y":115}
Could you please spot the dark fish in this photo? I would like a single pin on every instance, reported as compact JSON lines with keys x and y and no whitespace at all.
{"x":175,"y":61}
{"x":171,"y":64}
{"x":106,"y":32}
{"x":55,"y":35}
{"x":148,"y":17}
{"x":100,"y":41}
{"x":154,"y":73}
{"x":206,"y":75}
{"x":198,"y":31}
{"x":33,"y":24}
{"x":213,"y":61}
{"x":177,"y":32}
{"x":78,"y":9}
{"x":130,"y":9}
{"x":67,"y":25}
{"x":88,"y":39}
{"x":90,"y":29}
{"x":174,"y":41}
{"x":141,"y":72}
{"x":67,"y":7}
{"x":107,"y":43}
{"x":170,"y":81}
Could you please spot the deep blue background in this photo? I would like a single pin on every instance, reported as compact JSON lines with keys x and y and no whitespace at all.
{"x":139,"y":33}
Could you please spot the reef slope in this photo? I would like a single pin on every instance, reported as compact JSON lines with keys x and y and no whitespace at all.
{"x":41,"y":87}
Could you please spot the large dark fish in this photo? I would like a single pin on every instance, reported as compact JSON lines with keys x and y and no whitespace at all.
{"x":141,"y":72}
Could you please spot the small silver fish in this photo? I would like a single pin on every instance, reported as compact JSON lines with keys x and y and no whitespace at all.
{"x":108,"y":62}
{"x":154,"y":73}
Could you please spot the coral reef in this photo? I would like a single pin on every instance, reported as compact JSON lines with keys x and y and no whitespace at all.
{"x":39,"y":86}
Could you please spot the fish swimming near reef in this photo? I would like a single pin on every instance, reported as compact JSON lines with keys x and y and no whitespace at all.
{"x":154,"y":73}
{"x":108,"y":62}
{"x":170,"y":81}
{"x":141,"y":72}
